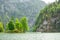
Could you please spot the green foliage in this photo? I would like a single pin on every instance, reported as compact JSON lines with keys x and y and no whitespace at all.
{"x":10,"y":25}
{"x":50,"y":11}
{"x":34,"y":29}
{"x":24,"y":24}
{"x":1,"y":27}
{"x":18,"y":25}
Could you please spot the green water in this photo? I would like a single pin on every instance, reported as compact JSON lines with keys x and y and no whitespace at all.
{"x":30,"y":36}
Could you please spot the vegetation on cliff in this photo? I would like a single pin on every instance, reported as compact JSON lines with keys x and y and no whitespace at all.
{"x":49,"y":18}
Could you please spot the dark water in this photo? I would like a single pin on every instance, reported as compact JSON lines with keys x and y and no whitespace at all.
{"x":30,"y":36}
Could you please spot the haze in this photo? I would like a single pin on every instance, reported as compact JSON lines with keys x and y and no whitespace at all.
{"x":49,"y":1}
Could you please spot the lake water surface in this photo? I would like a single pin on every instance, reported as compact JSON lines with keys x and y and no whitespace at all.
{"x":30,"y":36}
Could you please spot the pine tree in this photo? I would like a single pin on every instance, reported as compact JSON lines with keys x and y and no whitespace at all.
{"x":1,"y":27}
{"x":10,"y":25}
{"x":18,"y":25}
{"x":24,"y":24}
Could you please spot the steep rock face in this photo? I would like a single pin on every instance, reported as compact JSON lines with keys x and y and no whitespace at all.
{"x":49,"y":18}
{"x":20,"y":8}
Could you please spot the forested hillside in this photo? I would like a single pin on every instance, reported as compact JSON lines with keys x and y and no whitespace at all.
{"x":49,"y":18}
{"x":20,"y":8}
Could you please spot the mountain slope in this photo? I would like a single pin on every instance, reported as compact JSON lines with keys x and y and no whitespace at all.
{"x":49,"y":18}
{"x":20,"y":8}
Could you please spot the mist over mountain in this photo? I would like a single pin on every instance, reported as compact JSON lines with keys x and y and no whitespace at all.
{"x":20,"y":8}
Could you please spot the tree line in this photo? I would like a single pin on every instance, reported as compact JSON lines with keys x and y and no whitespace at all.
{"x":15,"y":26}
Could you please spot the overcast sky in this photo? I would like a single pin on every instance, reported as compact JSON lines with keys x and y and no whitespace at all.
{"x":49,"y":1}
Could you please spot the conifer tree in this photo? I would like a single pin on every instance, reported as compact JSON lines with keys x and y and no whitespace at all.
{"x":24,"y":24}
{"x":18,"y":25}
{"x":1,"y":27}
{"x":10,"y":25}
